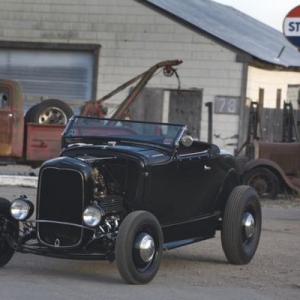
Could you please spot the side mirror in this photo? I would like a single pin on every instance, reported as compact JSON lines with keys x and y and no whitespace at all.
{"x":187,"y":141}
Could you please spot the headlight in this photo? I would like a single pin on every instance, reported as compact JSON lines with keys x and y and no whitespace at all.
{"x":21,"y":209}
{"x":92,"y":216}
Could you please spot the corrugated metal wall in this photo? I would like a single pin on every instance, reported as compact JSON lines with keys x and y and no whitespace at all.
{"x":50,"y":74}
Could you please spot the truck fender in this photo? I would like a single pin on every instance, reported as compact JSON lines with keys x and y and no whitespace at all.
{"x":271,"y":166}
{"x":264,"y":163}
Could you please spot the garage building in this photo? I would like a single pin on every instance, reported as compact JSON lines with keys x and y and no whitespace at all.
{"x":79,"y":50}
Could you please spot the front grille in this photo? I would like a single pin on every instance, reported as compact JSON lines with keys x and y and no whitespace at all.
{"x":60,"y":199}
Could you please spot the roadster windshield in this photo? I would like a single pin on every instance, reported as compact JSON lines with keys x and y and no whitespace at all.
{"x":160,"y":133}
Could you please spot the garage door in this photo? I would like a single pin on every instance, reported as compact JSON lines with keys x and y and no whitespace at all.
{"x":50,"y":74}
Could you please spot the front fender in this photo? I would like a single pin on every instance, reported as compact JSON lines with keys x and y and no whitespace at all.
{"x":262,"y":162}
{"x":4,"y":206}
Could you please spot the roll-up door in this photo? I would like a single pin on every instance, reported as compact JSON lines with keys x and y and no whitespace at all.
{"x":59,"y":74}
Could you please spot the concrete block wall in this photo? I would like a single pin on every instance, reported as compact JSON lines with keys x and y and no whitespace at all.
{"x":133,"y":37}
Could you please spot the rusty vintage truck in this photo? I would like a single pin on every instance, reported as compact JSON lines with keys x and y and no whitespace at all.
{"x":36,"y":136}
{"x":272,"y":168}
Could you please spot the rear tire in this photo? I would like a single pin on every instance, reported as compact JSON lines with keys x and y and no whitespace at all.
{"x":241,"y":225}
{"x":6,"y":252}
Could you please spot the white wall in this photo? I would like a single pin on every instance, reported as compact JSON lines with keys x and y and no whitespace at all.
{"x":133,"y":38}
{"x":270,"y":81}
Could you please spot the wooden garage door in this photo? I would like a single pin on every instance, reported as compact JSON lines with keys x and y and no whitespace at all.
{"x":160,"y":105}
{"x":185,"y":108}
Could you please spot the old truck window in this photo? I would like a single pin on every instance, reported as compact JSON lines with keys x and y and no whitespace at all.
{"x":4,"y":99}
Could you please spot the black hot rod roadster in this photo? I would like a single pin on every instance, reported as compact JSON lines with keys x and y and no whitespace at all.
{"x":127,"y":190}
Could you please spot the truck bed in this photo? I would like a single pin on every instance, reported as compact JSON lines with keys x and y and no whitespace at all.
{"x":43,"y":141}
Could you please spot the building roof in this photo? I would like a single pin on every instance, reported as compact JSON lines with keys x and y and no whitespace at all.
{"x":234,"y":28}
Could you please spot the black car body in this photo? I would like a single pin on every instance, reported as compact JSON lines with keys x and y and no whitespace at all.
{"x":126,"y":190}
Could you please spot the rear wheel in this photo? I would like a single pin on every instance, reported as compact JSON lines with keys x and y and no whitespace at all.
{"x":263,"y":181}
{"x":7,"y":226}
{"x":241,"y":225}
{"x":139,"y":247}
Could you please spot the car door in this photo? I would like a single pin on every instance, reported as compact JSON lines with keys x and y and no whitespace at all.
{"x":198,"y":183}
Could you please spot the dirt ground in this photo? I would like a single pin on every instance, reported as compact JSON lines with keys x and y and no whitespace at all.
{"x":274,"y":273}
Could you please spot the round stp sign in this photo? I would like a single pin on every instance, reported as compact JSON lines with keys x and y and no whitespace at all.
{"x":291,"y":26}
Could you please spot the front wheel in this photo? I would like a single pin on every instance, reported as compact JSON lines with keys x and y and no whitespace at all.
{"x":241,"y":225}
{"x":139,"y":247}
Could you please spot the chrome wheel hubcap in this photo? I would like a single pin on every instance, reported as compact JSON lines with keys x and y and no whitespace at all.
{"x":145,"y":246}
{"x":53,"y":115}
{"x":249,"y":224}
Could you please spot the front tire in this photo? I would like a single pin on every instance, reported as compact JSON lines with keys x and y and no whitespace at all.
{"x":10,"y":227}
{"x":139,"y":247}
{"x":241,"y":225}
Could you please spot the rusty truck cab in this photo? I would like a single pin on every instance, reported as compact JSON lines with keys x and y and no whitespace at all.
{"x":11,"y":119}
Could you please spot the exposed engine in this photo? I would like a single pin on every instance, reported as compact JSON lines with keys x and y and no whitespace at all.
{"x":107,"y":184}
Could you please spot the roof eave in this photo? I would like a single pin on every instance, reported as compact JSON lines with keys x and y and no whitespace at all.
{"x":242,"y":55}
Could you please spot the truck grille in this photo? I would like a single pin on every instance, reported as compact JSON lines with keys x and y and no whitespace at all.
{"x":60,"y":199}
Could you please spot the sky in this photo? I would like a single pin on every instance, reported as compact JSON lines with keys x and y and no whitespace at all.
{"x":270,"y":12}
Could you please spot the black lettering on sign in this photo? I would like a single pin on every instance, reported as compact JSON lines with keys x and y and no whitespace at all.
{"x":294,"y":26}
{"x":291,"y":26}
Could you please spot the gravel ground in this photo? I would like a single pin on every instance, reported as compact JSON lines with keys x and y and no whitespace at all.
{"x":274,"y":273}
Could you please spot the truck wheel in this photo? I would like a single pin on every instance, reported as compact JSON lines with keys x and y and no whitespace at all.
{"x":51,"y":111}
{"x":241,"y":225}
{"x":139,"y":247}
{"x":263,"y":181}
{"x":12,"y":228}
